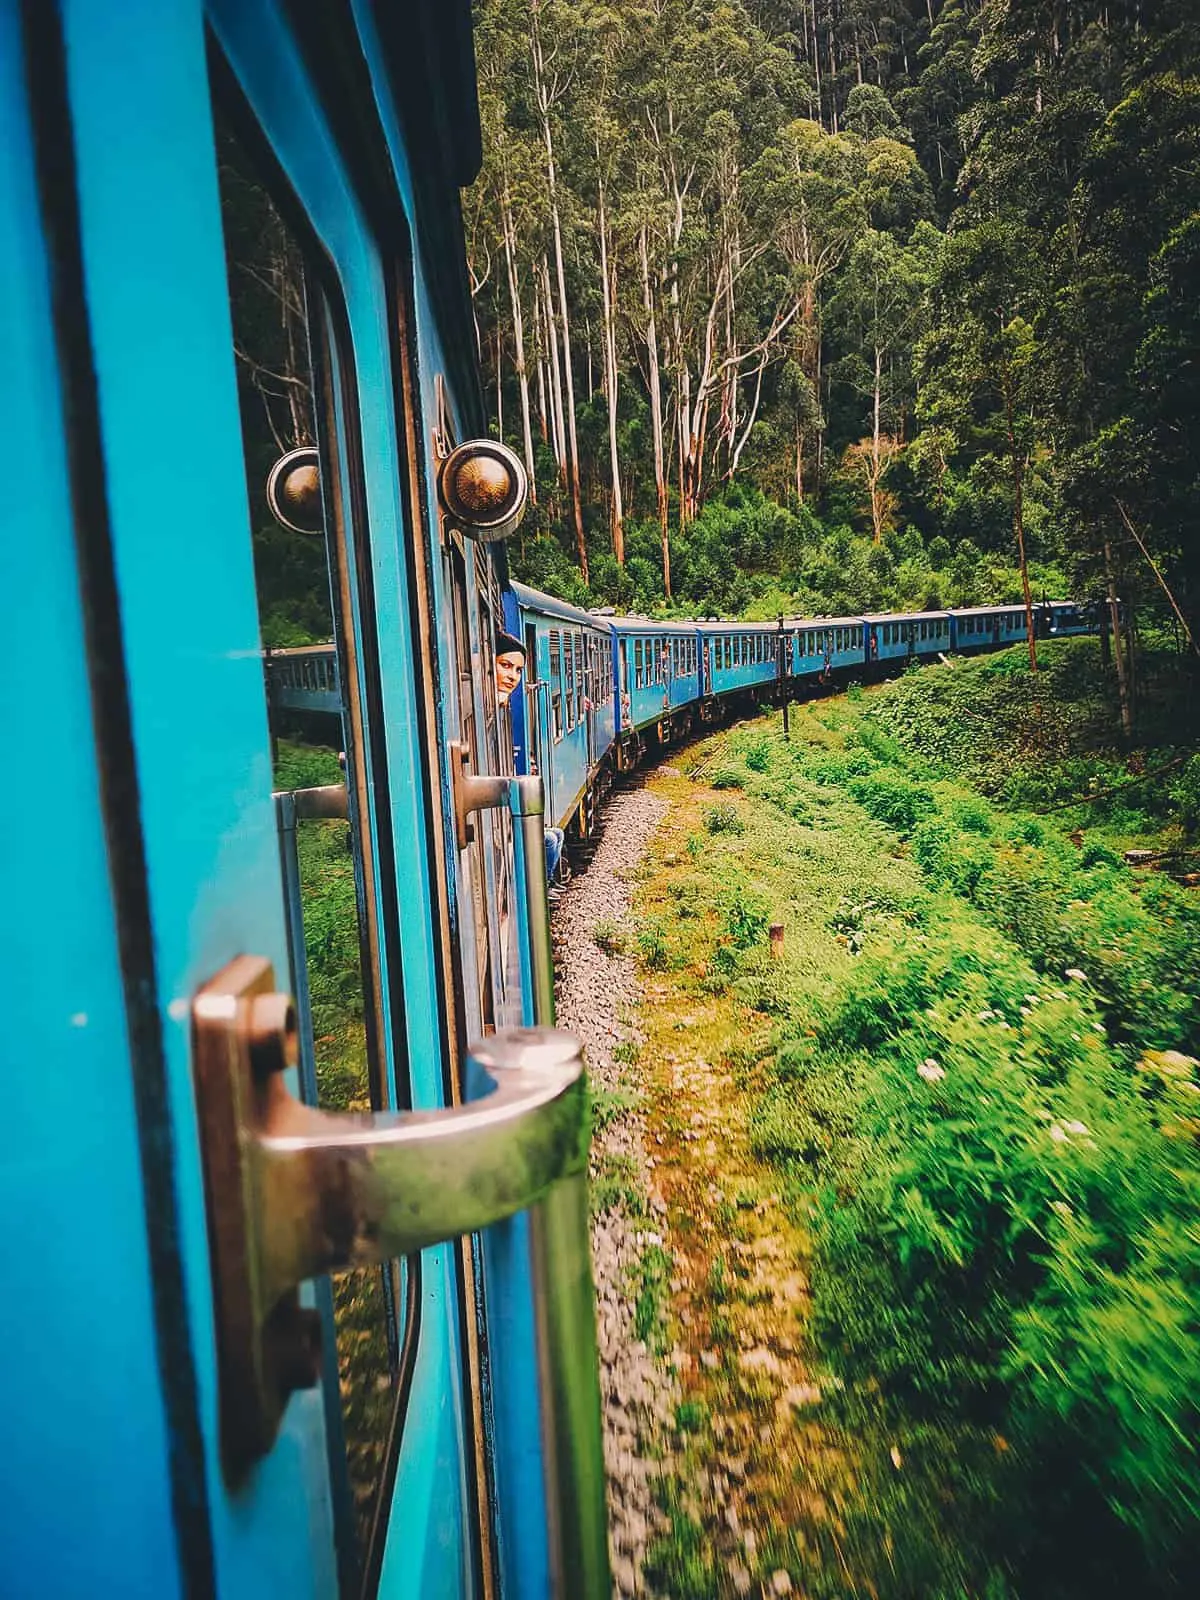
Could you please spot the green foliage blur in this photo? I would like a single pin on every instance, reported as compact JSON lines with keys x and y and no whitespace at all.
{"x":987,"y":1104}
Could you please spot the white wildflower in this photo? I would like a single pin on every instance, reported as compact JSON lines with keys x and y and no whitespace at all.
{"x":1058,"y":1133}
{"x":985,"y":1016}
{"x":930,"y":1071}
{"x":1077,"y":1128}
{"x":1074,"y":972}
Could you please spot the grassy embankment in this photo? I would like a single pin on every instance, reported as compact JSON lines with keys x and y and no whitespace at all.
{"x":962,"y":1111}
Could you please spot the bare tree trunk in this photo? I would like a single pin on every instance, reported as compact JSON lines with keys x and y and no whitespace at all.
{"x":656,"y":419}
{"x":799,"y":464}
{"x":876,"y":471}
{"x":543,"y":411}
{"x":1118,"y":642}
{"x":608,"y":286}
{"x":545,"y":99}
{"x":1017,"y":467}
{"x":499,"y":385}
{"x":518,"y":324}
{"x":557,"y":426}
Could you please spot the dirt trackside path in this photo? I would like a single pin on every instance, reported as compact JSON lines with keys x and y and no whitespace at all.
{"x":760,"y":1480}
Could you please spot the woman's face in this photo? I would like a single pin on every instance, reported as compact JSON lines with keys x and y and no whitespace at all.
{"x":509,"y":668}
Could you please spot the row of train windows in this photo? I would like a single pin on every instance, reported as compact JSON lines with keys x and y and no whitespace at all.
{"x":581,"y":678}
{"x":743,"y":650}
{"x":988,"y":623}
{"x":654,"y":661}
{"x":829,"y":641}
{"x":902,"y":632}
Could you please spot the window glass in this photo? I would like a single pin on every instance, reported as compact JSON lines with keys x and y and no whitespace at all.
{"x":286,"y":351}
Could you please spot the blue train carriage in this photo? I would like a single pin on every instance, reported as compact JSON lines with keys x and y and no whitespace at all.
{"x":233,"y":1422}
{"x":564,"y":714}
{"x":737,"y":658}
{"x":1068,"y":618}
{"x":988,"y":627}
{"x":657,"y":676}
{"x":907,"y":636}
{"x":825,"y":648}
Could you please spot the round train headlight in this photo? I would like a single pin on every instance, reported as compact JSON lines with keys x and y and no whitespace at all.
{"x":294,"y":491}
{"x":484,"y":489}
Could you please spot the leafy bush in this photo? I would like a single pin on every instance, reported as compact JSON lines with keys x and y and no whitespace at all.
{"x":610,"y":937}
{"x":723,"y":818}
{"x":652,"y":947}
{"x":727,"y":778}
{"x":893,"y":800}
{"x":745,"y":919}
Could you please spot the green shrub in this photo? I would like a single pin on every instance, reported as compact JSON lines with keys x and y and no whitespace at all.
{"x":893,"y":800}
{"x":758,"y":754}
{"x":745,"y":919}
{"x":723,"y":818}
{"x":610,"y":937}
{"x":652,"y":947}
{"x":727,"y":778}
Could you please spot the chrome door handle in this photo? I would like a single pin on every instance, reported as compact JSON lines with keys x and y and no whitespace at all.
{"x":525,"y":798}
{"x":293,"y":1192}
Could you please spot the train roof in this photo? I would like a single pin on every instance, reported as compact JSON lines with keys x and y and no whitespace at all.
{"x":987,"y":611}
{"x":534,"y":599}
{"x":628,"y":624}
{"x":793,"y":623}
{"x":905,"y":616}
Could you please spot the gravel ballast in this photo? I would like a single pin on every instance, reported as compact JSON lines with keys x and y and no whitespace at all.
{"x":597,"y":996}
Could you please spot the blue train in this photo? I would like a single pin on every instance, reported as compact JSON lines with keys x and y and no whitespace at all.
{"x":306,"y":1305}
{"x":643,"y":683}
{"x":272,"y":1021}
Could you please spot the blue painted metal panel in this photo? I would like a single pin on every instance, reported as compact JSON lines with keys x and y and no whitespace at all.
{"x":833,"y":642}
{"x":158,"y":303}
{"x":649,"y":683}
{"x":85,"y":1476}
{"x":741,"y":657}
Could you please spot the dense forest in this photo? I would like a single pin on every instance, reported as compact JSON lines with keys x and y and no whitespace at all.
{"x":845,"y":303}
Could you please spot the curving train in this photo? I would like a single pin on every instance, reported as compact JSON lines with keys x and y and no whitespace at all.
{"x":599,"y":690}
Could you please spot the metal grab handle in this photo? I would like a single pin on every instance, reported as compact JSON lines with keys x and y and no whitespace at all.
{"x":338,"y":1191}
{"x":292,"y":1192}
{"x":525,"y":799}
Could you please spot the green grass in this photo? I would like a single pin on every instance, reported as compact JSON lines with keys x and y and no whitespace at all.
{"x":967,"y":1100}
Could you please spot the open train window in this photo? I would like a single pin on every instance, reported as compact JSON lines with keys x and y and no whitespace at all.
{"x":556,"y":684}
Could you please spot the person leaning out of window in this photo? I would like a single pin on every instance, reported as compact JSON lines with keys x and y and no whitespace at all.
{"x":510,"y":668}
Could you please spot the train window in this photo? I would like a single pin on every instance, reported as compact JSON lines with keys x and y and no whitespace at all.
{"x":580,"y":689}
{"x":637,"y":663}
{"x":292,"y":363}
{"x":556,"y":698}
{"x":569,"y":681}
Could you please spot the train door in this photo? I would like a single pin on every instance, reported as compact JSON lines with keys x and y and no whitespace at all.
{"x":167,"y":834}
{"x":532,"y":688}
{"x":484,"y":737}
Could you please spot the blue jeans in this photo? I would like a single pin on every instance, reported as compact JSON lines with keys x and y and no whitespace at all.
{"x":555,"y":838}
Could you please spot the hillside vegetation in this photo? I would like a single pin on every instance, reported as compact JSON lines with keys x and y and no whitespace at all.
{"x":818,"y":304}
{"x":974,"y":1069}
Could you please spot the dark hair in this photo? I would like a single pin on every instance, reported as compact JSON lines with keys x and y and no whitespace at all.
{"x":507,"y":644}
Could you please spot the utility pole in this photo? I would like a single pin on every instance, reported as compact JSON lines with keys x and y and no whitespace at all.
{"x":781,"y":676}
